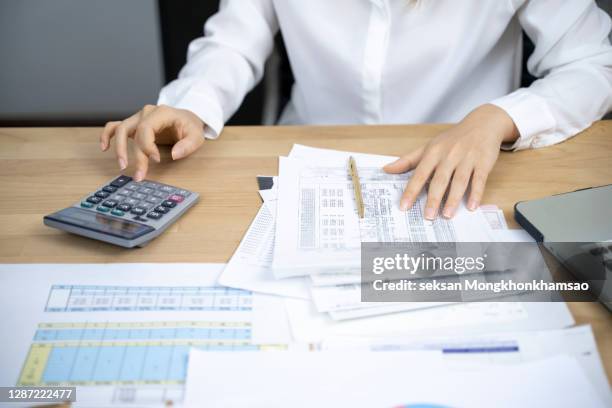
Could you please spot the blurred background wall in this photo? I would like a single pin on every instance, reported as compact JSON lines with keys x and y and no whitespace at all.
{"x":79,"y":61}
{"x":84,"y":62}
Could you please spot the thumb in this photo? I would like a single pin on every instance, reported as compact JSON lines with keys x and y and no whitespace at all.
{"x":187,"y":145}
{"x":405,"y":163}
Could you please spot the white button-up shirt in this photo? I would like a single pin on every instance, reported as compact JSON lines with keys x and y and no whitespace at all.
{"x":407,"y":61}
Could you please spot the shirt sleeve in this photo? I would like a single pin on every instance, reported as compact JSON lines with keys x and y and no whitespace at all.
{"x":224,"y":64}
{"x":573,"y":58}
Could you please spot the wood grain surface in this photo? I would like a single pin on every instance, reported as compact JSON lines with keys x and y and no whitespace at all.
{"x":45,"y":169}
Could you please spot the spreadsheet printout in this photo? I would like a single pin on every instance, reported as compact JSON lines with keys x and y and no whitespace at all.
{"x":343,"y":301}
{"x":318,"y":229}
{"x":385,"y":222}
{"x":493,"y":215}
{"x":122,"y":332}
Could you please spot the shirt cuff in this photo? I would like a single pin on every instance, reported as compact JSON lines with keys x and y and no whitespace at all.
{"x":205,"y":107}
{"x":530,"y":115}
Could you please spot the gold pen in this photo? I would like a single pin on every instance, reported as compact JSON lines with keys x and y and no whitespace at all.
{"x":356,"y":186}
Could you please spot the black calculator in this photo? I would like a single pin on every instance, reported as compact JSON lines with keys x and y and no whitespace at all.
{"x":125,"y":212}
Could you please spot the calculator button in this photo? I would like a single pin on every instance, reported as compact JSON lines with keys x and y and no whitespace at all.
{"x":124,"y":207}
{"x":159,"y":194}
{"x":110,"y":203}
{"x":109,"y":189}
{"x":102,"y":194}
{"x":145,"y":190}
{"x":120,"y":197}
{"x":177,"y":198}
{"x":152,"y":200}
{"x":138,"y":196}
{"x":151,"y":185}
{"x":184,"y":193}
{"x":102,"y":209}
{"x":131,"y":186}
{"x":145,"y":205}
{"x":94,"y":199}
{"x":86,"y":204}
{"x":121,"y":181}
{"x":154,"y":215}
{"x":118,"y":213}
{"x":168,"y":203}
{"x":139,"y":218}
{"x":138,"y":210}
{"x":130,"y":201}
{"x":167,"y":189}
{"x":161,"y":209}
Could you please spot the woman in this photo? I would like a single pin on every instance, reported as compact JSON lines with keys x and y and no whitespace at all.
{"x":395,"y":61}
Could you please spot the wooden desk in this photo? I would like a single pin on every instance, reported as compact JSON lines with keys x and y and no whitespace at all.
{"x":43,"y":170}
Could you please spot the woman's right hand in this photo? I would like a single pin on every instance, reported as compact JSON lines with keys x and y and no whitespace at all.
{"x":149,"y":127}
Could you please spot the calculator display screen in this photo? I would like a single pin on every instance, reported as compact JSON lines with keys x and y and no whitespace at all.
{"x":101,"y":223}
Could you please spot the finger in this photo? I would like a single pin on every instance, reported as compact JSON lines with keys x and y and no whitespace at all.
{"x":107,"y":134}
{"x":461,"y":179}
{"x":416,"y":183}
{"x":191,"y":142}
{"x":124,"y":130}
{"x":405,"y":163}
{"x":145,"y":141}
{"x":479,"y":180}
{"x":142,"y":164}
{"x":437,"y":188}
{"x":121,"y":135}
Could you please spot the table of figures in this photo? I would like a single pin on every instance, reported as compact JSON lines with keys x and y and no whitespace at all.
{"x":81,"y":298}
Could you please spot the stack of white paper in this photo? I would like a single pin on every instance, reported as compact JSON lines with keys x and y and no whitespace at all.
{"x":318,"y":229}
{"x":390,"y":379}
{"x":469,"y":352}
{"x":304,"y":245}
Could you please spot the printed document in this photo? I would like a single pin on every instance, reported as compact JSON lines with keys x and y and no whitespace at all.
{"x":308,"y":325}
{"x":250,"y":267}
{"x":389,"y":379}
{"x":122,"y":332}
{"x":318,"y":229}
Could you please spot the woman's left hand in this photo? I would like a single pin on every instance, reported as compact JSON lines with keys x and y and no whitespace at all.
{"x":466,"y":151}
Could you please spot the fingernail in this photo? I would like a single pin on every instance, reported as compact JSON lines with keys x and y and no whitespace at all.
{"x":122,"y":163}
{"x":472,"y":205}
{"x":404,"y":205}
{"x":155,"y":158}
{"x":390,"y":164}
{"x":139,"y":175}
{"x":430,"y":213}
{"x":177,"y":153}
{"x":102,"y":146}
{"x":448,"y":212}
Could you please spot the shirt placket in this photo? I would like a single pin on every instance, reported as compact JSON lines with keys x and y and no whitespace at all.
{"x":374,"y":60}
